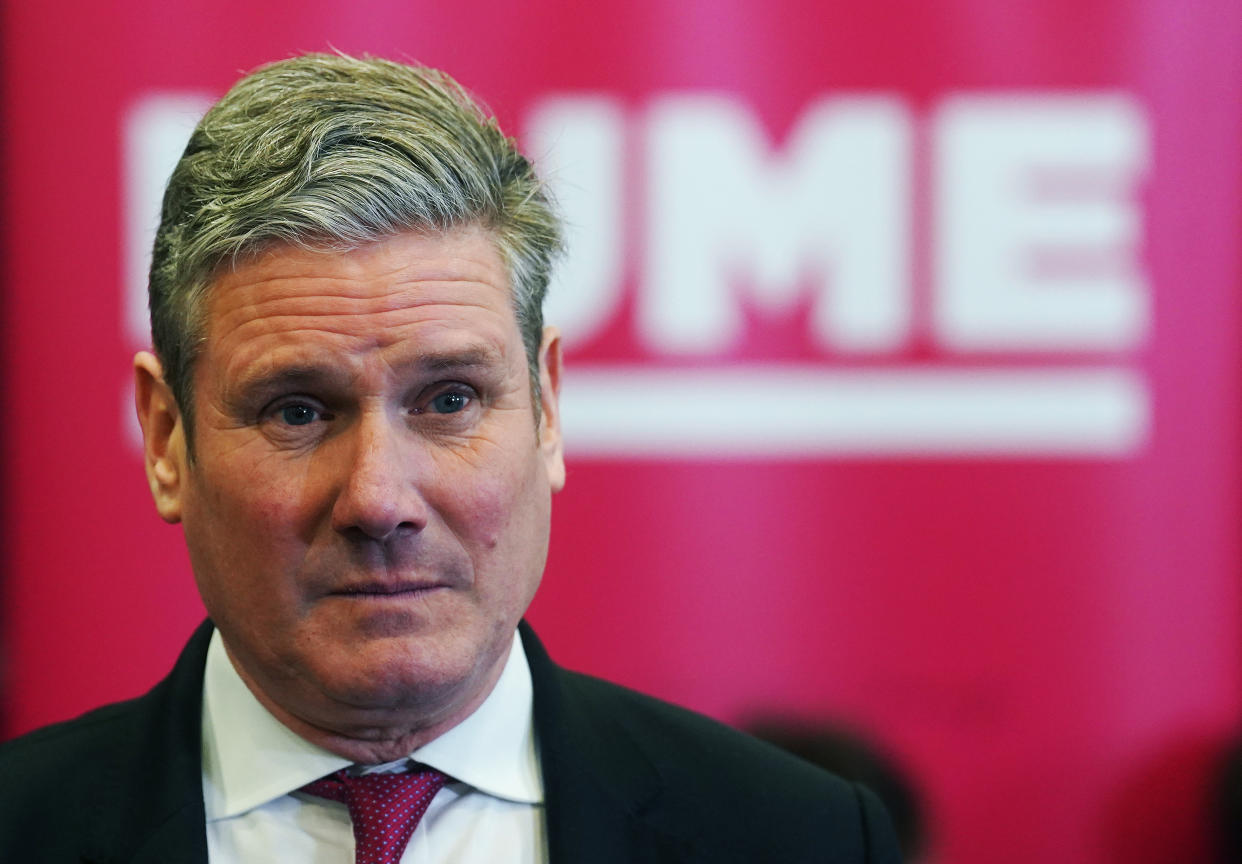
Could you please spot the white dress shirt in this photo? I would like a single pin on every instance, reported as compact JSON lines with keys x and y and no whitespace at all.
{"x":490,"y":811}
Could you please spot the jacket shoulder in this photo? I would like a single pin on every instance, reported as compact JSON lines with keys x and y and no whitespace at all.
{"x":104,"y":781}
{"x":701,"y":753}
{"x":59,"y":778}
{"x":72,"y":744}
{"x":748,"y":796}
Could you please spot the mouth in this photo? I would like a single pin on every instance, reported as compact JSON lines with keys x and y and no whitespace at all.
{"x":381,"y":590}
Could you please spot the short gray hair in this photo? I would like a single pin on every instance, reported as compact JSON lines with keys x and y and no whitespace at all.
{"x":328,"y":151}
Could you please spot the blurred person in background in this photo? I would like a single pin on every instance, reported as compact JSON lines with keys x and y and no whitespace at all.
{"x":351,"y":410}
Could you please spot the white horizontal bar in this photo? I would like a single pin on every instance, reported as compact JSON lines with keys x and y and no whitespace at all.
{"x":781,"y":411}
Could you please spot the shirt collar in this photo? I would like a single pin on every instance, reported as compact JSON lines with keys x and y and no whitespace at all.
{"x":251,"y":758}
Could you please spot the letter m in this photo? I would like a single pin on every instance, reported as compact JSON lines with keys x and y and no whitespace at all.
{"x":831,"y":213}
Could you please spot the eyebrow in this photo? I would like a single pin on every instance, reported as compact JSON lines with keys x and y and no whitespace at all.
{"x":266,"y":384}
{"x":473,"y":357}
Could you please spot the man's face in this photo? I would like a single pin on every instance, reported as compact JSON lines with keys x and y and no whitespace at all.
{"x":367,"y":512}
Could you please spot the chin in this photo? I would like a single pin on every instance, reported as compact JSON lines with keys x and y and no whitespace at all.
{"x":403,"y":677}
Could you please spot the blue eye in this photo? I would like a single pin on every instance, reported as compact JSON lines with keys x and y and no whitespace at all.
{"x":449,"y":403}
{"x":298,"y":415}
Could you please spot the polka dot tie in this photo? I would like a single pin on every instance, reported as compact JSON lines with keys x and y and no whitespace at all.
{"x":385,"y":808}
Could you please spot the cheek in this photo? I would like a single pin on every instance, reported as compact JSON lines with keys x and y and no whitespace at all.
{"x":252,"y":508}
{"x":243,"y":522}
{"x":502,"y":509}
{"x":275,"y":490}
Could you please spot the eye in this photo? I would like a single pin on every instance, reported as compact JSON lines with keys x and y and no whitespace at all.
{"x":447,"y":399}
{"x":449,"y":402}
{"x":295,"y":421}
{"x":298,"y":414}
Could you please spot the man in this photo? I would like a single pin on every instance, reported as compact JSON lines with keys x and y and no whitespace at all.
{"x":351,"y":409}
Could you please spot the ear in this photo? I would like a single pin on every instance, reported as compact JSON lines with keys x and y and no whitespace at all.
{"x":163,"y":435}
{"x":550,"y":406}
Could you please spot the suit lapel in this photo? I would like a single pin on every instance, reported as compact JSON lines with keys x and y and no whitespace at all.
{"x":603,"y":796}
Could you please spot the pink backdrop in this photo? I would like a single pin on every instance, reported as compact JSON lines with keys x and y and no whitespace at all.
{"x":949,"y":451}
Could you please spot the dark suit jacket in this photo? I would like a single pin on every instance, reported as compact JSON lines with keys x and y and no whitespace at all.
{"x":627,"y":779}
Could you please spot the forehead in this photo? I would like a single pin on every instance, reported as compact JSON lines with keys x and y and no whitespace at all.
{"x":378,"y":295}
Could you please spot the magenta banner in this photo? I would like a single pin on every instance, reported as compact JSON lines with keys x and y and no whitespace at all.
{"x":902,"y":386}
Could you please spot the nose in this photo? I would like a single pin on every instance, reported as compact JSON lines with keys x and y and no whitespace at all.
{"x":379,"y":495}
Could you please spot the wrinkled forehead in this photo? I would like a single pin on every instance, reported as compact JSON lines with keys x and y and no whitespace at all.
{"x":380,"y":293}
{"x":449,"y":260}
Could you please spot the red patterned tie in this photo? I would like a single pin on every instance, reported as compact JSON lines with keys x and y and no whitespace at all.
{"x":385,"y":808}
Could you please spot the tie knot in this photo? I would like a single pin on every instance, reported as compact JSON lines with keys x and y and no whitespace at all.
{"x":384,"y":808}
